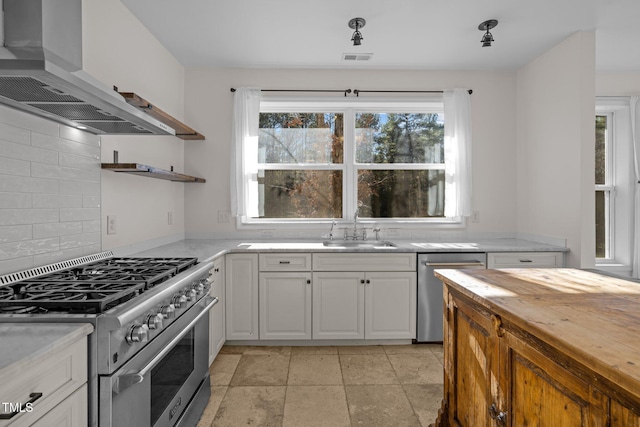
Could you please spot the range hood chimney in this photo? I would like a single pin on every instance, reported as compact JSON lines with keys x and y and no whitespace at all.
{"x":41,"y":72}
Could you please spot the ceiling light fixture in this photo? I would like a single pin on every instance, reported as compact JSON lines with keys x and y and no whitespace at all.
{"x":356,"y":24}
{"x":487,"y":38}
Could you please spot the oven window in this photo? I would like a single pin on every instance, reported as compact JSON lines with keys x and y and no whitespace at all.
{"x":170,"y":374}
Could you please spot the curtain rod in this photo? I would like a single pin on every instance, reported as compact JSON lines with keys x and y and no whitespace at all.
{"x":356,"y":92}
{"x":346,"y":91}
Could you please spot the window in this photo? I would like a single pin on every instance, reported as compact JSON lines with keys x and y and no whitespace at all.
{"x":322,"y":160}
{"x":614,"y":185}
{"x":604,"y":185}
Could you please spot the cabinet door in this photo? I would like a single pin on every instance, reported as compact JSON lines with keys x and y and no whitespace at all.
{"x":539,"y":391}
{"x":622,"y":416}
{"x":241,"y":294}
{"x":216,"y":315}
{"x":338,"y":305}
{"x":285,"y":306}
{"x":71,"y":412}
{"x":470,"y":364}
{"x":390,"y":305}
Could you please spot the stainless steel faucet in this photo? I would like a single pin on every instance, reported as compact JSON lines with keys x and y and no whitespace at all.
{"x":355,"y":224}
{"x":333,"y":224}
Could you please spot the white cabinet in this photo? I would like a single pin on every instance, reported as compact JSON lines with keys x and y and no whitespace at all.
{"x":376,"y":304}
{"x":525,"y":260}
{"x":241,"y":295}
{"x":338,"y":305}
{"x":49,"y":388}
{"x":285,"y":305}
{"x":285,"y":296}
{"x":217,"y":329}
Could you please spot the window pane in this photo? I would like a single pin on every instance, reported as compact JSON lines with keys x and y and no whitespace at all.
{"x":301,"y":138}
{"x":601,"y":225}
{"x":401,"y":193}
{"x":300,"y":193}
{"x":399,"y":138}
{"x":601,"y":150}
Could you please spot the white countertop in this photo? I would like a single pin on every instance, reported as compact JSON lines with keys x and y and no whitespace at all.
{"x":205,"y":249}
{"x":24,"y":344}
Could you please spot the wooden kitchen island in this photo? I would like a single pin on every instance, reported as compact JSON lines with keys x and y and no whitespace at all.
{"x":540,"y":347}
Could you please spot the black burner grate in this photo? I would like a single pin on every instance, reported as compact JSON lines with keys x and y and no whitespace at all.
{"x":90,"y":288}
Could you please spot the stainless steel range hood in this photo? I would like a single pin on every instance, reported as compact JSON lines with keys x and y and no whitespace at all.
{"x":41,"y":72}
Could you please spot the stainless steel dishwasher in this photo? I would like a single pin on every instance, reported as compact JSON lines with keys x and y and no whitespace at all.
{"x":430,"y":302}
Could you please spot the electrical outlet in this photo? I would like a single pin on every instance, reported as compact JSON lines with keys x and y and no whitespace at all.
{"x":170,"y":218}
{"x":224,"y":216}
{"x":111,"y":224}
{"x":475,"y":217}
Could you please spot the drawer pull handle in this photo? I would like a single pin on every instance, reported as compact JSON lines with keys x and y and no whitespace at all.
{"x":526,"y":260}
{"x":33,"y":396}
{"x":285,"y":262}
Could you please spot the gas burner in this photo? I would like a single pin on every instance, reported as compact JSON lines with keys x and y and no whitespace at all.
{"x":21,"y":309}
{"x":91,"y":288}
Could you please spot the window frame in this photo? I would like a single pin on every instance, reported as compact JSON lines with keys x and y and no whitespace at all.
{"x":622,"y":185}
{"x":349,"y":107}
{"x":608,"y":188}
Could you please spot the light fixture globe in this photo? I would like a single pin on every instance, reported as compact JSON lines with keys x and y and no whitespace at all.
{"x":356,"y":24}
{"x":487,"y":38}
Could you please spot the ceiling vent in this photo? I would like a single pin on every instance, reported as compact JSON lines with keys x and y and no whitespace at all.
{"x":356,"y":56}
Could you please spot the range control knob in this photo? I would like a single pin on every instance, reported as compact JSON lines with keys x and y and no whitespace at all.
{"x":168,"y":311}
{"x":190,"y":294}
{"x":154,"y":321}
{"x":198,"y":288}
{"x":178,"y":300}
{"x":137,"y":333}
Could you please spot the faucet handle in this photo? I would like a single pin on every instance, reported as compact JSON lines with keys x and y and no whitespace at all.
{"x":376,"y":230}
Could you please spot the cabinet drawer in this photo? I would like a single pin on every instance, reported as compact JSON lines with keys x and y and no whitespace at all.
{"x":71,"y":412}
{"x":56,"y":378}
{"x":364,"y":262}
{"x":285,"y":262}
{"x":525,"y":260}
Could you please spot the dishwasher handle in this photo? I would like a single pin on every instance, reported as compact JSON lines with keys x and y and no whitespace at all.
{"x":458,"y":264}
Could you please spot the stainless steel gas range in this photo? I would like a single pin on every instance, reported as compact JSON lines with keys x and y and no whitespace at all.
{"x":148,"y":354}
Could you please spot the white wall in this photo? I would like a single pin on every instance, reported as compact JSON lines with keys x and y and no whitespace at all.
{"x":209,"y":106}
{"x":555,"y":156}
{"x":118,"y":50}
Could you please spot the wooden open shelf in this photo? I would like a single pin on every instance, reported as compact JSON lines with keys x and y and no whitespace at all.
{"x":150,"y":172}
{"x":182,"y":131}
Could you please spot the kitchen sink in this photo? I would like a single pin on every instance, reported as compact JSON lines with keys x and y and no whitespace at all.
{"x":369,"y":244}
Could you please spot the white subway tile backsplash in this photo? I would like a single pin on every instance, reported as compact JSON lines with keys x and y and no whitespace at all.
{"x":64,"y":145}
{"x":49,"y":192}
{"x":57,"y":200}
{"x":81,"y":162}
{"x":90,"y":201}
{"x":28,"y":216}
{"x":26,"y":152}
{"x":55,"y":256}
{"x":15,"y":200}
{"x":28,"y":248}
{"x":41,"y":231}
{"x":79,"y":240}
{"x":77,"y":135}
{"x":28,"y":122}
{"x":15,"y":233}
{"x":13,"y":133}
{"x":25,"y":184}
{"x":91,"y":226}
{"x":39,"y":170}
{"x":79,"y":214}
{"x":14,"y":167}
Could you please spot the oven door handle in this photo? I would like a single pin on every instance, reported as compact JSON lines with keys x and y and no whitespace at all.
{"x":124,"y":381}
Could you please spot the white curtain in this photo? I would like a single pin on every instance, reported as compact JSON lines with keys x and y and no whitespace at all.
{"x":244,"y":152}
{"x":635,"y":140}
{"x":457,"y":153}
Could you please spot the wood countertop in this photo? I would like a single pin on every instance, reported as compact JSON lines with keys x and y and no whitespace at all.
{"x":592,"y":317}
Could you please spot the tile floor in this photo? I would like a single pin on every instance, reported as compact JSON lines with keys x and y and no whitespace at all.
{"x":325,"y":386}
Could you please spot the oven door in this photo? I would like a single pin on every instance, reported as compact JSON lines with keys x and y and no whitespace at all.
{"x":157,"y":384}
